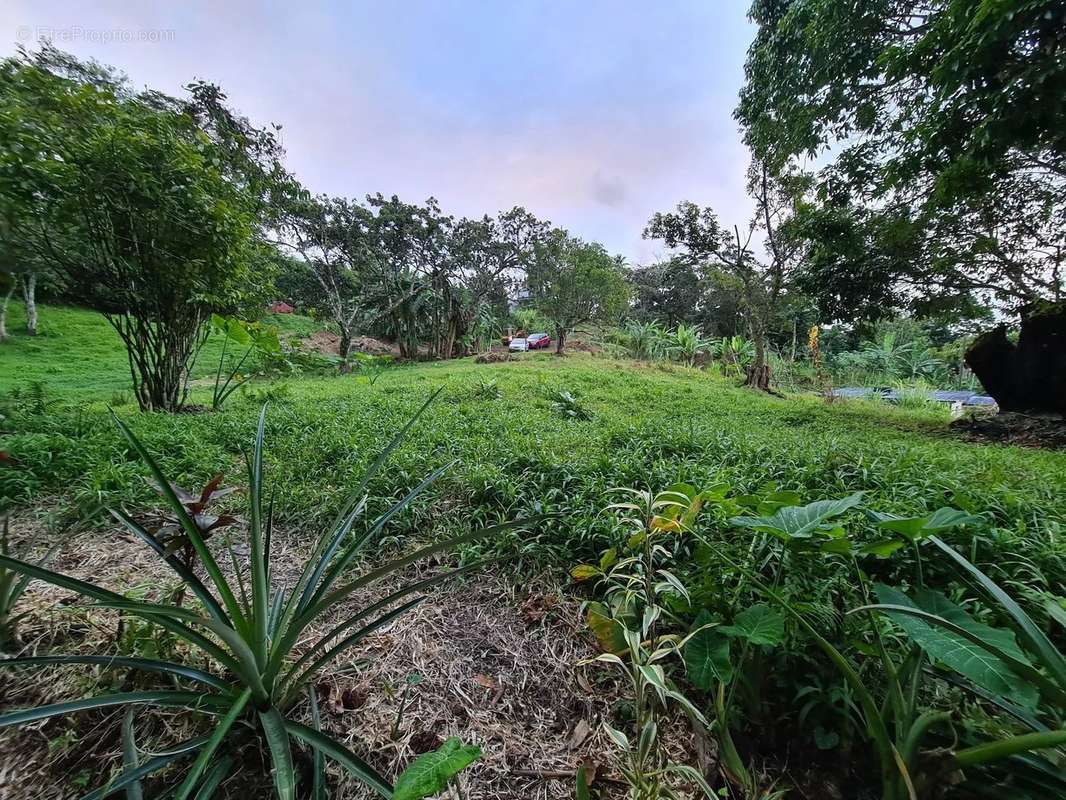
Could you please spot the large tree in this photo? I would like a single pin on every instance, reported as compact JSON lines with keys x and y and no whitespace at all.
{"x":941,"y":132}
{"x":149,"y":205}
{"x":572,"y":283}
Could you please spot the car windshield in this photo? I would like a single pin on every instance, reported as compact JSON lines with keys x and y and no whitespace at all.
{"x":538,"y":336}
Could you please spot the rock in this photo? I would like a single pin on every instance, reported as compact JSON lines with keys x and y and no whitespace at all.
{"x":1029,"y":376}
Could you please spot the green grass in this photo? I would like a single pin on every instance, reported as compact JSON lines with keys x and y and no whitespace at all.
{"x":651,"y":425}
{"x":77,"y":352}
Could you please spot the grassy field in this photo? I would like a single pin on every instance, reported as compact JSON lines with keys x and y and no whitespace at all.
{"x":650,"y":425}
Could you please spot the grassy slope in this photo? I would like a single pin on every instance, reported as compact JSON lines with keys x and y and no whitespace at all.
{"x":76,"y":351}
{"x":652,"y":425}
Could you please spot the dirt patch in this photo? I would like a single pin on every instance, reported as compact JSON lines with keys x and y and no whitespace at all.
{"x":1024,"y":430}
{"x":492,"y":357}
{"x":326,"y":343}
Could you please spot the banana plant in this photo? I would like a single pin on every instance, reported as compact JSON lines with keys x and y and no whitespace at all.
{"x":687,"y":342}
{"x":259,"y":639}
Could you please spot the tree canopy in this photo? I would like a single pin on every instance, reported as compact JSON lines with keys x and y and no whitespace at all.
{"x":150,"y":205}
{"x":944,"y":129}
{"x":572,"y":282}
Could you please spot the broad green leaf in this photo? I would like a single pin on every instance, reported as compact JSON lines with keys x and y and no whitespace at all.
{"x":759,"y":624}
{"x":799,"y":522}
{"x":430,"y":773}
{"x":770,"y":503}
{"x":1034,"y":638}
{"x":882,"y":548}
{"x":608,"y":559}
{"x":608,"y":631}
{"x":583,"y":572}
{"x":914,"y":528}
{"x":965,"y":657}
{"x":232,"y":328}
{"x":707,"y":659}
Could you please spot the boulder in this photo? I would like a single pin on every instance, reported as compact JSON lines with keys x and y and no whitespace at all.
{"x":1029,"y":376}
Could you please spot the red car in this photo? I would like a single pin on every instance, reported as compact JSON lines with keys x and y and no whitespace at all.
{"x":538,"y":341}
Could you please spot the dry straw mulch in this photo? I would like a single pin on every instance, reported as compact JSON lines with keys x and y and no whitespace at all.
{"x":499,"y":667}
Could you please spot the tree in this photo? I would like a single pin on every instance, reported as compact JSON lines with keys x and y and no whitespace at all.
{"x":8,"y":282}
{"x":669,"y":291}
{"x":335,"y":239}
{"x":699,"y":233}
{"x":572,"y":283}
{"x":946,"y":123}
{"x":150,"y":206}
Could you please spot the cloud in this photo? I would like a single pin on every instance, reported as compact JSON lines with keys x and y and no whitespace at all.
{"x":610,"y":192}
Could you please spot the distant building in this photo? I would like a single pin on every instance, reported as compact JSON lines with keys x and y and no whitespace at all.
{"x":280,"y":307}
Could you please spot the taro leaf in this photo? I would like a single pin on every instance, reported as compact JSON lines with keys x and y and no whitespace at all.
{"x":962,"y":655}
{"x":770,"y":503}
{"x":914,"y":528}
{"x":232,"y":328}
{"x":759,"y":624}
{"x":429,"y":774}
{"x":707,"y":658}
{"x":799,"y":522}
{"x":882,"y":548}
{"x":608,"y":631}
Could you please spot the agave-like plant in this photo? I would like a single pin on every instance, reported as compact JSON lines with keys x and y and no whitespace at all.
{"x":250,"y":630}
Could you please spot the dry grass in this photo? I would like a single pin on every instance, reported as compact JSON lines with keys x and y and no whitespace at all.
{"x":499,"y":667}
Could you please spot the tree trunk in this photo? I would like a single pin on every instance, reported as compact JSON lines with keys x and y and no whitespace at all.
{"x":160,"y":354}
{"x":560,"y":340}
{"x":344,"y":346}
{"x":29,"y":294}
{"x":3,"y":311}
{"x":759,"y":371}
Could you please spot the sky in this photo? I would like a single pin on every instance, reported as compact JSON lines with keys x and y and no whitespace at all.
{"x":590,"y":114}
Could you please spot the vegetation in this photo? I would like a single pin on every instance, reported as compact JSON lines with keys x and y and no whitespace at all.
{"x":148,"y":205}
{"x":257,"y":624}
{"x":572,"y":283}
{"x":783,"y":578}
